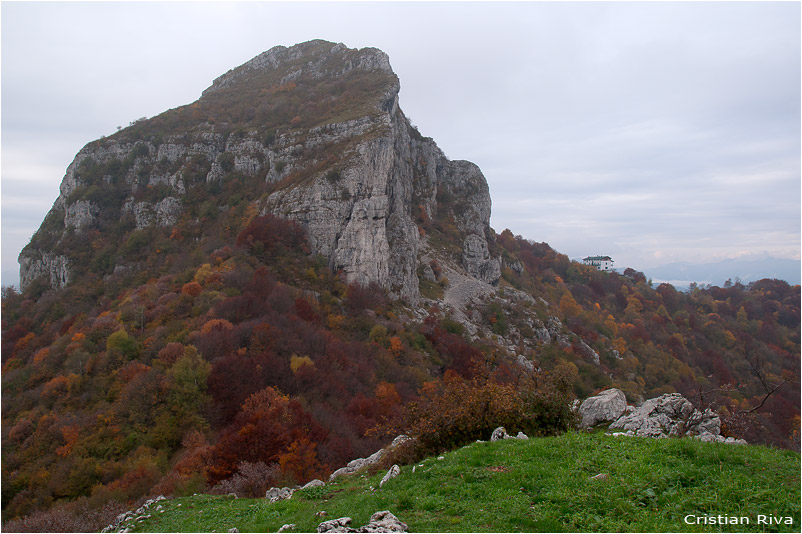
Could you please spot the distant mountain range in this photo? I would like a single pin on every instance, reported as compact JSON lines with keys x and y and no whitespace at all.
{"x":750,"y":269}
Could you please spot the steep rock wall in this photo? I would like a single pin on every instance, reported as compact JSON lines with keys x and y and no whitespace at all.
{"x":356,"y":183}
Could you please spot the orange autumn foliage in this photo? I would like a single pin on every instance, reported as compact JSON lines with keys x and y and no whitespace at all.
{"x":300,"y":461}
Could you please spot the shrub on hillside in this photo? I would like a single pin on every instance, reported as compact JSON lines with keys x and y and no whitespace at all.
{"x":252,"y":479}
{"x":268,"y":234}
{"x":454,"y":411}
{"x":361,"y":297}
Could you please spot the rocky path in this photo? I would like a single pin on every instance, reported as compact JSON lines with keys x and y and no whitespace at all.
{"x":463,"y":291}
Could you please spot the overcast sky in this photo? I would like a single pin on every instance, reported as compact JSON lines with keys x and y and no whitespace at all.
{"x":650,"y":132}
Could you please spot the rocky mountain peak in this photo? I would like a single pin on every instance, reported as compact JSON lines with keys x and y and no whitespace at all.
{"x":311,"y":133}
{"x":316,"y":58}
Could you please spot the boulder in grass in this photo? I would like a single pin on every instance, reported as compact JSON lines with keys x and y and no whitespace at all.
{"x":278,"y":494}
{"x":499,"y":434}
{"x":605,"y":407}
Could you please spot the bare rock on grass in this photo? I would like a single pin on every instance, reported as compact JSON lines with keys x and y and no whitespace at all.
{"x":383,"y":521}
{"x":278,"y":494}
{"x":607,"y":406}
{"x":393,"y":472}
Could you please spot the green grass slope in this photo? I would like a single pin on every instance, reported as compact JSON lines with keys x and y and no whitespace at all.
{"x":539,"y":485}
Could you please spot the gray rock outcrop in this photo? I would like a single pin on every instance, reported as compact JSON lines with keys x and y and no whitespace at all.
{"x":709,"y":437}
{"x":316,"y":483}
{"x":279,"y":494}
{"x":55,"y":268}
{"x":501,"y":433}
{"x":125,"y":521}
{"x":477,"y":261}
{"x":588,"y":353}
{"x":80,"y":214}
{"x":162,"y":213}
{"x":359,"y":464}
{"x":525,"y":363}
{"x":605,"y":407}
{"x":541,"y":333}
{"x":393,"y":472}
{"x":554,"y":326}
{"x":358,"y":181}
{"x":668,"y":415}
{"x":383,"y":521}
{"x":341,"y":524}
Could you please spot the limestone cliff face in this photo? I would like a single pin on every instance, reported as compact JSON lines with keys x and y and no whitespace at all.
{"x":362,"y":216}
{"x":319,"y":126}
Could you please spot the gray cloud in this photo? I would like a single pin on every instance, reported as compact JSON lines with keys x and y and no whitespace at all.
{"x":653,"y":132}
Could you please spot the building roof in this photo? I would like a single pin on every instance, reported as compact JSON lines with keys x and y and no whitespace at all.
{"x":598,"y":258}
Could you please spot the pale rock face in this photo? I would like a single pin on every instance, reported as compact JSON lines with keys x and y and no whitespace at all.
{"x":359,"y":211}
{"x":467,"y":184}
{"x":362,"y":220}
{"x":249,"y":155}
{"x":174,"y":181}
{"x":477,"y":261}
{"x":517,"y":267}
{"x":171,"y":151}
{"x":428,"y":273}
{"x":163,"y":213}
{"x":541,"y":332}
{"x":216,"y":174}
{"x":167,"y":211}
{"x":53,"y":267}
{"x":554,"y":326}
{"x":607,"y":406}
{"x":525,"y":363}
{"x":69,"y":183}
{"x":670,"y":415}
{"x":80,"y":214}
{"x":716,"y":438}
{"x":704,"y":422}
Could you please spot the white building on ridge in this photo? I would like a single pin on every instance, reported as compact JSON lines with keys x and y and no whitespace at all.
{"x":602,"y":263}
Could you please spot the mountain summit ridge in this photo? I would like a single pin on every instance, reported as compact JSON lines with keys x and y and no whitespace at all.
{"x":316,"y":130}
{"x":365,"y":59}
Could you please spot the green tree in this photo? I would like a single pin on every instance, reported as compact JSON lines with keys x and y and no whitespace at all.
{"x":121,"y":344}
{"x":187,"y":388}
